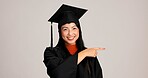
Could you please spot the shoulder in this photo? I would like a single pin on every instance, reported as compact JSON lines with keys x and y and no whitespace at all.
{"x":52,"y":49}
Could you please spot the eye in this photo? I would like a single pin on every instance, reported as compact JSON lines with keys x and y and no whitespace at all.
{"x":64,"y":29}
{"x":74,"y":28}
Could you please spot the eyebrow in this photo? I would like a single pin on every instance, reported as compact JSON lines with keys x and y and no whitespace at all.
{"x":63,"y":27}
{"x":74,"y":26}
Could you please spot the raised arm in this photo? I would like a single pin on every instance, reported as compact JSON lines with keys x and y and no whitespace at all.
{"x":90,"y":52}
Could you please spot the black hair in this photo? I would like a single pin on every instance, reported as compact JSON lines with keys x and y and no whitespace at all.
{"x":79,"y":41}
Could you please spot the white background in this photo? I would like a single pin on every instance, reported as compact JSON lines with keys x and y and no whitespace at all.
{"x":121,"y":26}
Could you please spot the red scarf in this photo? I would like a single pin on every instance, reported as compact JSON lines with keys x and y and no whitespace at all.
{"x":71,"y":48}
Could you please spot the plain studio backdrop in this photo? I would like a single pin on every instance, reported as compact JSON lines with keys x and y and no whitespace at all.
{"x":121,"y":26}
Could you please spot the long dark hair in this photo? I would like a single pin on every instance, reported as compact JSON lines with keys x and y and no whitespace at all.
{"x":79,"y":42}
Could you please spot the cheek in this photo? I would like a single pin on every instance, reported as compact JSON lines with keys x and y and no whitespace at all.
{"x":77,"y":33}
{"x":63,"y":33}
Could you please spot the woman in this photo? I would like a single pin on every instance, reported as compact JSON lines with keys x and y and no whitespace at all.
{"x":70,"y":58}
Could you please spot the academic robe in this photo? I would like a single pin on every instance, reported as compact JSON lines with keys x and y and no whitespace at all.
{"x":61,"y":64}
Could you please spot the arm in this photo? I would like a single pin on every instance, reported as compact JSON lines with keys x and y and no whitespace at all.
{"x":90,"y":52}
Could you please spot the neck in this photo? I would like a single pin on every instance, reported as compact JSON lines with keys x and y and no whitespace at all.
{"x":70,"y":44}
{"x":72,"y":48}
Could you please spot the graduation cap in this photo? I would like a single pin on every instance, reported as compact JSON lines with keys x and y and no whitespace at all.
{"x":66,"y":14}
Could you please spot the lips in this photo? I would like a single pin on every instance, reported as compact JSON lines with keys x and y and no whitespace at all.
{"x":70,"y":38}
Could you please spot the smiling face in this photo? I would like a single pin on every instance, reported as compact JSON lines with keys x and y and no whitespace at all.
{"x":70,"y":33}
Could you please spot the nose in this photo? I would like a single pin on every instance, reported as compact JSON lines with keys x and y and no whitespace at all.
{"x":70,"y":32}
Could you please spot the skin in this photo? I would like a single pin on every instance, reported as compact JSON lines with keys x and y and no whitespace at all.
{"x":70,"y":33}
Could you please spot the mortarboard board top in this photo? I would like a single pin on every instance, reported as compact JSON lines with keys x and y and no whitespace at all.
{"x":79,"y":12}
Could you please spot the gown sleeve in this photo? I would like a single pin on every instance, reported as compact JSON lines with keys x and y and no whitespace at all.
{"x":94,"y":68}
{"x":98,"y":69}
{"x":57,"y":67}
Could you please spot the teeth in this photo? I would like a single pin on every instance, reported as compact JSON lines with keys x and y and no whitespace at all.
{"x":70,"y":38}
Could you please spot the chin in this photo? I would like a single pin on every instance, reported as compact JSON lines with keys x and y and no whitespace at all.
{"x":71,"y":43}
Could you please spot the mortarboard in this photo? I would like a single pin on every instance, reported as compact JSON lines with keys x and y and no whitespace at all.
{"x":66,"y":14}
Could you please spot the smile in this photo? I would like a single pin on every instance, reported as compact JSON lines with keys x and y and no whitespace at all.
{"x":70,"y":38}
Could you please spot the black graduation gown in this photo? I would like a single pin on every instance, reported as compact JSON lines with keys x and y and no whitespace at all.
{"x":60,"y":64}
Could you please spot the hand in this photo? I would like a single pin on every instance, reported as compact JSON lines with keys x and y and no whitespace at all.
{"x":92,"y":52}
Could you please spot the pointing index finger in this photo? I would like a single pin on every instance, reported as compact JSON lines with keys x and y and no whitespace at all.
{"x":100,"y":48}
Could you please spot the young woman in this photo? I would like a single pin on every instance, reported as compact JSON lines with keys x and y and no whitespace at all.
{"x":70,"y":58}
